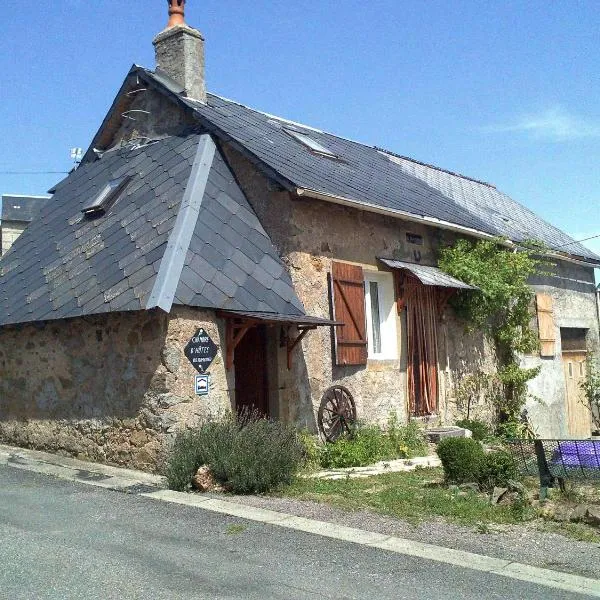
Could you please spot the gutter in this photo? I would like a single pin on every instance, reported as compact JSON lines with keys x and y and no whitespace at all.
{"x":431,"y":221}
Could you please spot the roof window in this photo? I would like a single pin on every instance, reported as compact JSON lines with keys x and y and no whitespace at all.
{"x":108,"y":195}
{"x":311,"y":144}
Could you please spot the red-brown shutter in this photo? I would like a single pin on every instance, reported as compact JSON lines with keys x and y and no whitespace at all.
{"x":545,"y":324}
{"x":348,"y":290}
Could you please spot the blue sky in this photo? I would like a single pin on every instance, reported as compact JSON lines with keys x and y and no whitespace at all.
{"x":506,"y":92}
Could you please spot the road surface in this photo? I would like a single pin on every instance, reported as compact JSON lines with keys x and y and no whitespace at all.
{"x":63,"y":540}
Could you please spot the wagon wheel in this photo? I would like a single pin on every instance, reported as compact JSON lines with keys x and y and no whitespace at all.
{"x":337,"y":413}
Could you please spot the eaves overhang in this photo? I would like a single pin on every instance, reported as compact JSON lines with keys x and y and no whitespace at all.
{"x":432,"y":221}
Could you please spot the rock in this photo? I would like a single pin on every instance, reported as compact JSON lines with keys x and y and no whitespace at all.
{"x":469,"y":487}
{"x":171,"y":358}
{"x":138,"y":438}
{"x":204,"y":480}
{"x":497,"y":494}
{"x":562,"y":514}
{"x":517,"y":486}
{"x":592,"y":516}
{"x":579,"y":513}
{"x":168,"y":400}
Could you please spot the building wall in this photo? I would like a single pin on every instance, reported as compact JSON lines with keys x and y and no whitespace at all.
{"x":112,"y":388}
{"x":10,"y":231}
{"x":571,"y":287}
{"x":309,"y":234}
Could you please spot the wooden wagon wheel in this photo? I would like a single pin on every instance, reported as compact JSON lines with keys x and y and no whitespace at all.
{"x":337,"y":413}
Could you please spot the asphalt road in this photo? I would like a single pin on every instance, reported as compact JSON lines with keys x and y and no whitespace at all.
{"x":63,"y":540}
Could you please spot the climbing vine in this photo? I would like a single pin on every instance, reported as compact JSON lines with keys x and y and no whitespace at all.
{"x":501,"y":307}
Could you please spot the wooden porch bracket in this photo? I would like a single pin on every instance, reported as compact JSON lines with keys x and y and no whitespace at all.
{"x":234,"y":332}
{"x":237,"y":324}
{"x":291,"y":344}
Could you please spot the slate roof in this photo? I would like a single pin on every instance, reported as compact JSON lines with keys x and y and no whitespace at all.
{"x":67,"y":265}
{"x":369,"y":176}
{"x":21,"y":208}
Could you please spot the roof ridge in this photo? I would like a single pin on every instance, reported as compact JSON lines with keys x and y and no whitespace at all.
{"x":424,"y":164}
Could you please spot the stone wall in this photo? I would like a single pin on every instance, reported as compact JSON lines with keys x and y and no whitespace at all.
{"x":112,"y":388}
{"x":309,"y":234}
{"x":10,"y":231}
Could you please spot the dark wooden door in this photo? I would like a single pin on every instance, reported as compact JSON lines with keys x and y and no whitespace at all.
{"x":250,"y":362}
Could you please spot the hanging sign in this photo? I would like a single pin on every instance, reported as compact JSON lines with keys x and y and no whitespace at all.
{"x":202,"y":385}
{"x":201,"y":351}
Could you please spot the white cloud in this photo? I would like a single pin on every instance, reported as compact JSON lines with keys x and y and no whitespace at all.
{"x":554,"y":123}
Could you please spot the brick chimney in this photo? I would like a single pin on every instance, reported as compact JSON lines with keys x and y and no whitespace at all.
{"x":180,"y":52}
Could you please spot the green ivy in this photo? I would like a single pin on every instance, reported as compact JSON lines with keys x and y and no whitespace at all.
{"x":501,"y":307}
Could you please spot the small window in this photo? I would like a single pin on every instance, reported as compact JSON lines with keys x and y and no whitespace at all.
{"x":107,"y":196}
{"x":414,"y":238}
{"x":380,"y":316}
{"x":570,"y":369}
{"x":311,"y":144}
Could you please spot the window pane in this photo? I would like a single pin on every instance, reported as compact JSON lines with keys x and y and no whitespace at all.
{"x":375,"y":319}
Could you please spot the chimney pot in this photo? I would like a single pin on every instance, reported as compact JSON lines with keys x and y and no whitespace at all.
{"x":176,"y":12}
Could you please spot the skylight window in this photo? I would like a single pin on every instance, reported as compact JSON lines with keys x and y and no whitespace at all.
{"x":108,"y":195}
{"x":311,"y":144}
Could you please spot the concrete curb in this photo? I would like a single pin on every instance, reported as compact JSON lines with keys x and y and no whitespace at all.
{"x":152,"y":487}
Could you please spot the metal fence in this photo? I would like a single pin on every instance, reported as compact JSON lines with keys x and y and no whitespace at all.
{"x":553,"y":460}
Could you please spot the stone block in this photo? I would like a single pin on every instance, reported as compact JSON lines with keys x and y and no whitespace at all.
{"x":171,"y":358}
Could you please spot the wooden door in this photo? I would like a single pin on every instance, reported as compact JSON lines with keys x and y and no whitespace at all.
{"x":250,"y":362}
{"x":579,"y":418}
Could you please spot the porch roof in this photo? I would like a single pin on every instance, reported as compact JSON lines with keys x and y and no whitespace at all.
{"x":431,"y":276}
{"x":267,"y":317}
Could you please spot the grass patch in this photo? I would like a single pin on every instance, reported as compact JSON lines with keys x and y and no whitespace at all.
{"x":414,"y":496}
{"x":575,"y":531}
{"x":235,"y":529}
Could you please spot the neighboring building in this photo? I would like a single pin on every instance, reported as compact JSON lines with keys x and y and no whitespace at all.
{"x":17,"y":212}
{"x":269,"y":236}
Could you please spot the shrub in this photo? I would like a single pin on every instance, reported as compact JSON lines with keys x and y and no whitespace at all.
{"x":311,"y":449}
{"x":497,"y":469}
{"x":480,"y":430}
{"x":370,"y":444}
{"x":409,"y":436}
{"x":461,"y":459}
{"x":246,"y":454}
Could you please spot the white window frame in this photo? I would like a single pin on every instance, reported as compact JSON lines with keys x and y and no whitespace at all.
{"x":387,"y":315}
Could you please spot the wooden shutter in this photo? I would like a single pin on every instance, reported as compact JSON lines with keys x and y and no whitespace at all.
{"x":545,"y":324}
{"x":348,"y":299}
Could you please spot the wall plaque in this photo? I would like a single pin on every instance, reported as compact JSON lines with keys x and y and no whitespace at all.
{"x":201,"y":351}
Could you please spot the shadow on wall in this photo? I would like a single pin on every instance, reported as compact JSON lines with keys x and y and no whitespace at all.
{"x":79,"y":369}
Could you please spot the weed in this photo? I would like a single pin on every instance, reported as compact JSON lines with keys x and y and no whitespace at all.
{"x":370,"y":444}
{"x":235,"y":529}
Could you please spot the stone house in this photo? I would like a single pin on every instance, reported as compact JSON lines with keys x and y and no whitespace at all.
{"x":17,"y":212}
{"x":206,"y":256}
